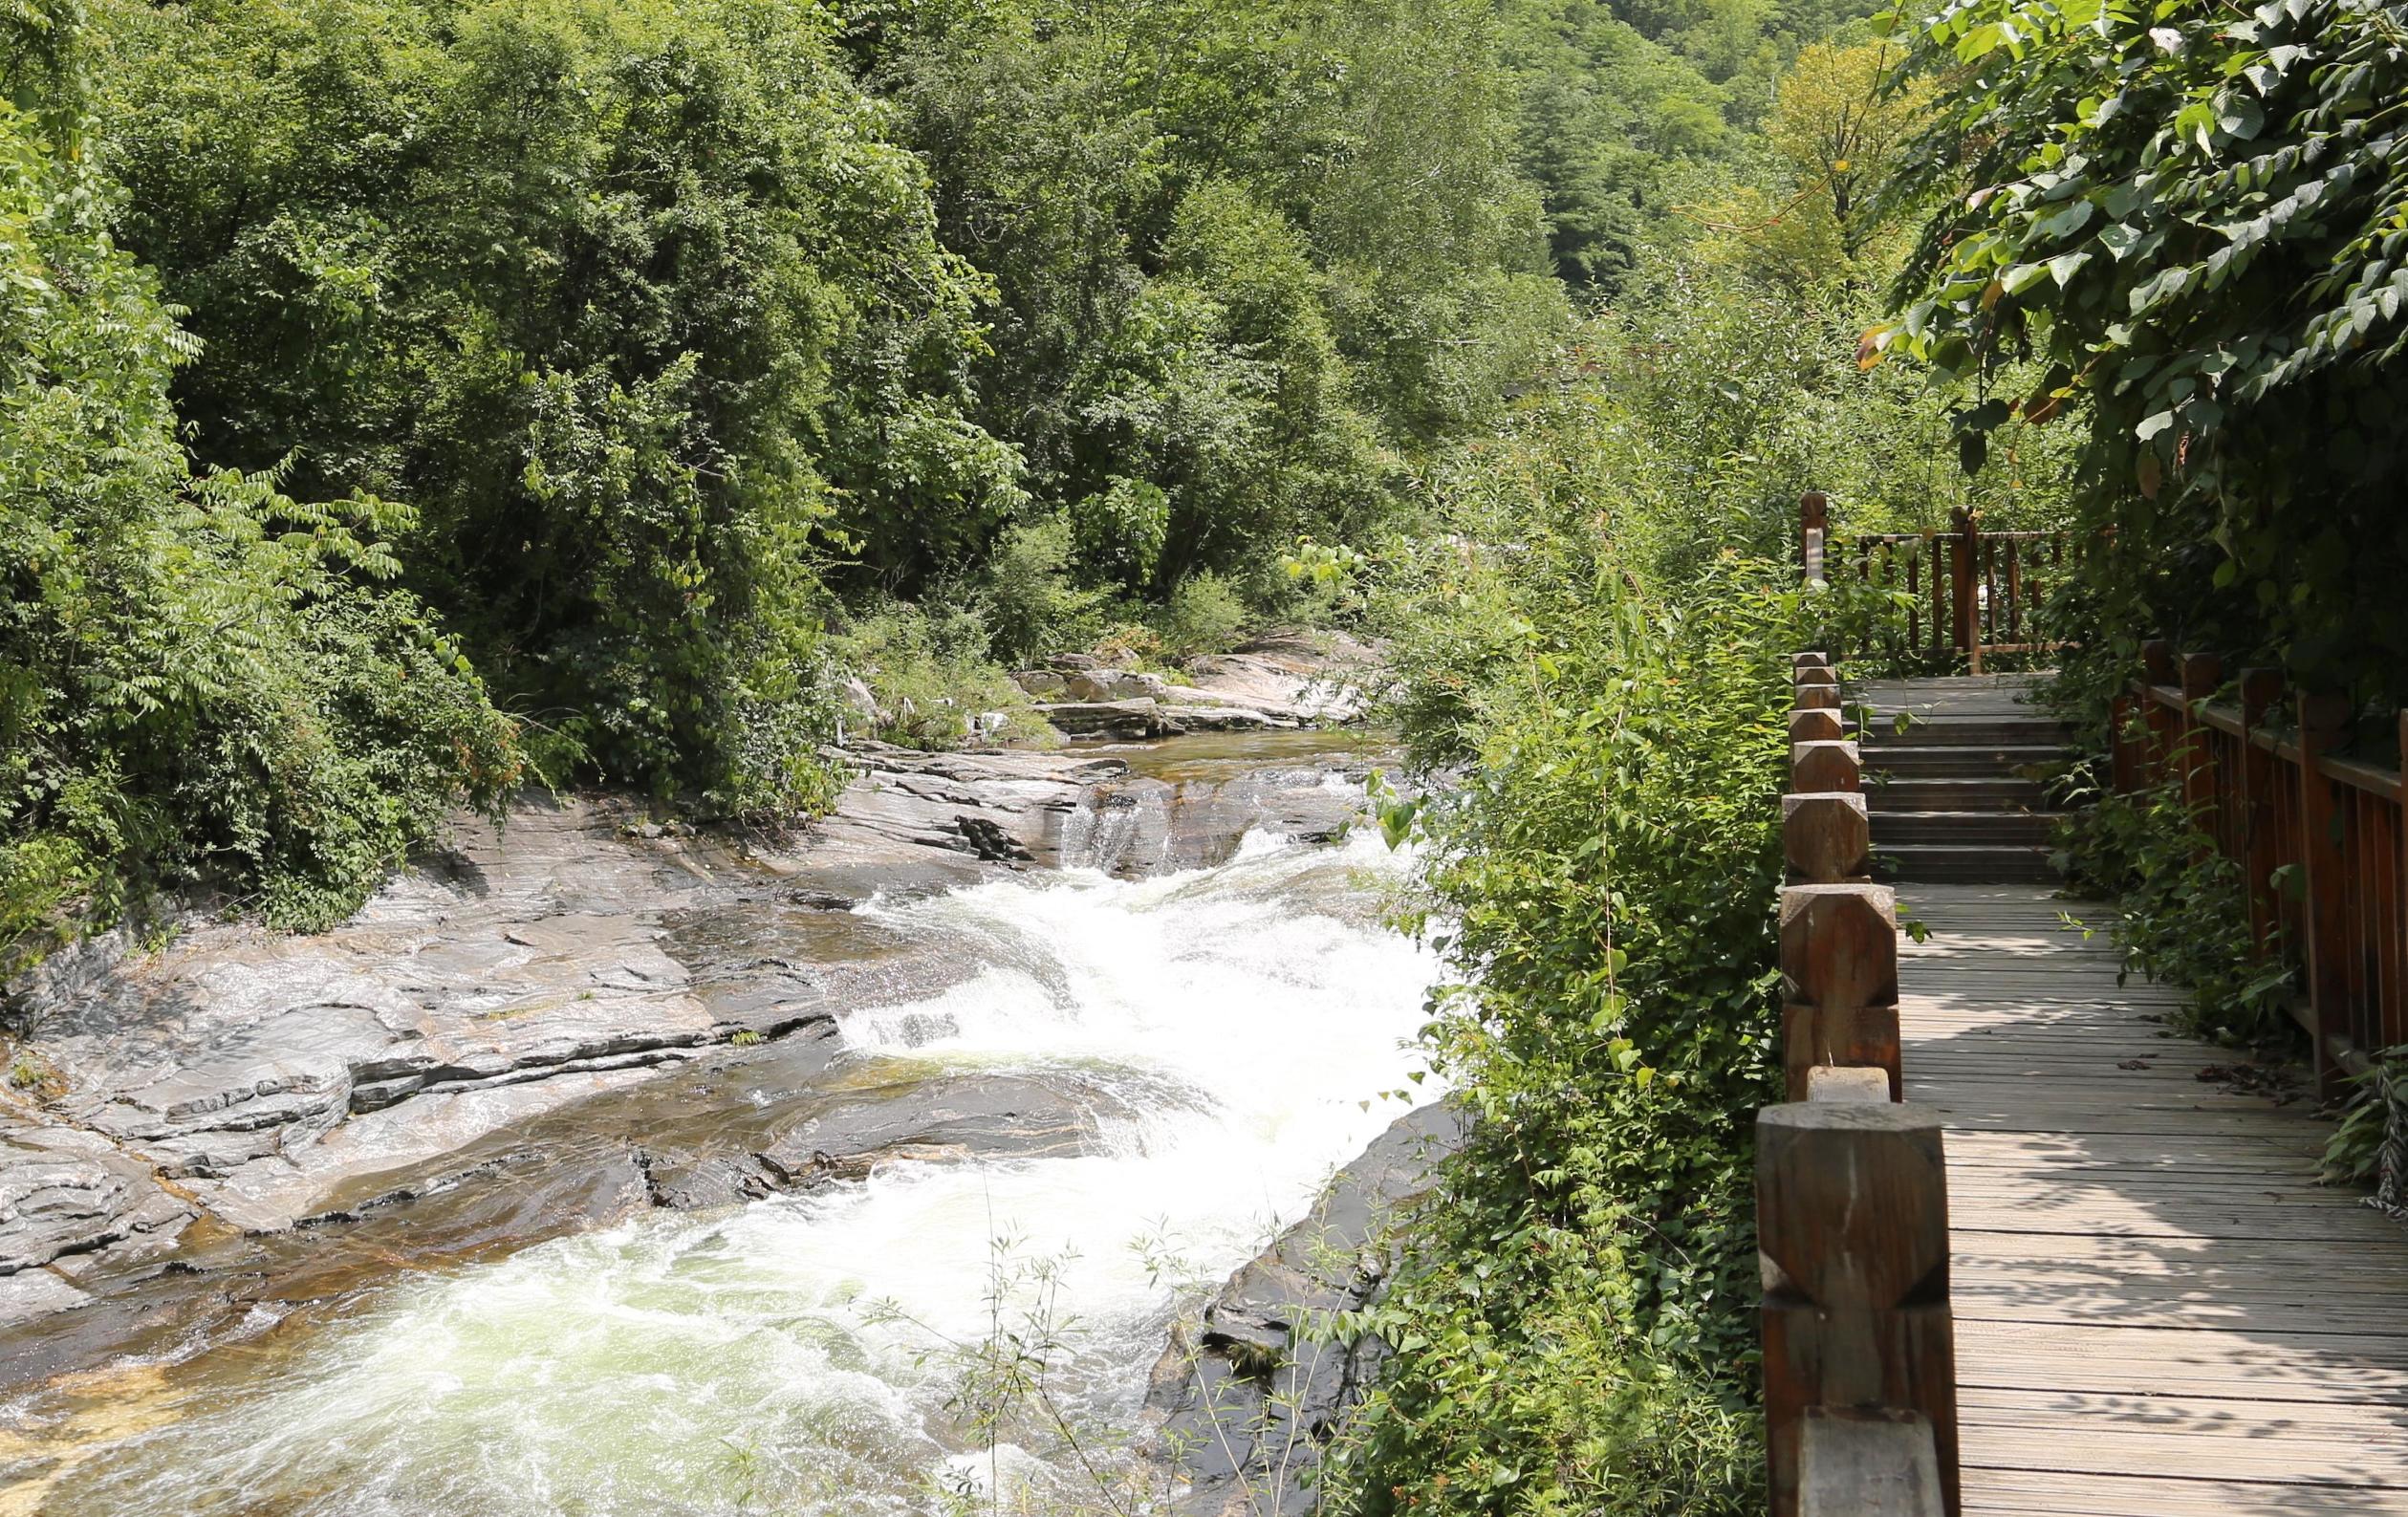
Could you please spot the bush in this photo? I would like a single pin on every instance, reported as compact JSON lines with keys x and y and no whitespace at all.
{"x":1206,"y":615}
{"x":1573,"y":1330}
{"x":1026,"y":598}
{"x":933,"y":681}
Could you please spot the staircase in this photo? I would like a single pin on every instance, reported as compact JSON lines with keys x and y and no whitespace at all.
{"x":1954,"y":797}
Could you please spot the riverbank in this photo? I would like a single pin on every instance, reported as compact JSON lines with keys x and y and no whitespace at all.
{"x":586,"y":1019}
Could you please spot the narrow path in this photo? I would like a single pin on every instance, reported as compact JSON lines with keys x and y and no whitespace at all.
{"x":2159,"y":1312}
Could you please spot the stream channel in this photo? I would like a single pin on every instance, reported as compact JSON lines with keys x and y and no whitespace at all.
{"x":1124,"y":1079}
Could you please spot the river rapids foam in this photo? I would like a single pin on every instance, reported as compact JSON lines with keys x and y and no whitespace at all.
{"x":787,"y":1356}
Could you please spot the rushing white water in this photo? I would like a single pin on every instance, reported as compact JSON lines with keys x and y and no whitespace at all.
{"x":744,"y":1362}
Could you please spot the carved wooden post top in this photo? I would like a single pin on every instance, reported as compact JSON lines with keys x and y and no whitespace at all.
{"x":1852,"y":1202}
{"x":1826,"y":766}
{"x":2157,"y":660}
{"x":1839,"y":945}
{"x":2201,"y":673}
{"x":1825,"y":837}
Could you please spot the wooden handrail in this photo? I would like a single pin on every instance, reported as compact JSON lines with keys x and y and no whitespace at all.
{"x":2320,"y":838}
{"x":1974,"y":593}
{"x":1852,"y":1193}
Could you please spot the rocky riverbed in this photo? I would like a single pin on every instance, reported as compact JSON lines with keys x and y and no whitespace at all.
{"x":589,"y":1015}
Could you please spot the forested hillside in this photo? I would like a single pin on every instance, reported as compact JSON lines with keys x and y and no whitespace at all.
{"x":408,"y":401}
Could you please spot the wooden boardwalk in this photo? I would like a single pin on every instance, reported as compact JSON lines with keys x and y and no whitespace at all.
{"x":2159,"y":1312}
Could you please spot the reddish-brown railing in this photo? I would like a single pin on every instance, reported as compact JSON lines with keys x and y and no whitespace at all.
{"x":1971,"y":595}
{"x":2319,"y":838}
{"x":1852,"y":1182}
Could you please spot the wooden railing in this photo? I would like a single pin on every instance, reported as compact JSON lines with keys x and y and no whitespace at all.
{"x":1852,"y":1193}
{"x":2321,"y":839}
{"x":1972,"y":595}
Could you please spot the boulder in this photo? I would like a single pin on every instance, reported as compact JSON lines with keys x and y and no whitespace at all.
{"x":1129,"y":720}
{"x":1239,"y":1411}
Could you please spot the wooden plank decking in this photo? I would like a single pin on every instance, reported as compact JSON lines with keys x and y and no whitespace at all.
{"x":2159,"y":1312}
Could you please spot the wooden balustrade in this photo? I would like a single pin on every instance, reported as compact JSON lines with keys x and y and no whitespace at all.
{"x":1972,"y":594}
{"x":1852,"y":1196}
{"x":2321,"y":838}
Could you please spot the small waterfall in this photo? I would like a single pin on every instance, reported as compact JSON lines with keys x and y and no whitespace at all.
{"x":1119,"y":829}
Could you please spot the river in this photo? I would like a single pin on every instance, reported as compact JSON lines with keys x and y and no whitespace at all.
{"x":1228,"y":1033}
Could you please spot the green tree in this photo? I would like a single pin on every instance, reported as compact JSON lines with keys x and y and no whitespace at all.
{"x":201,"y":681}
{"x":632,"y":301}
{"x":2189,"y":218}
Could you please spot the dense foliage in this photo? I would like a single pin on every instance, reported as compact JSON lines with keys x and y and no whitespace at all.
{"x":1574,"y":1334}
{"x":2189,"y":216}
{"x":621,"y":297}
{"x":197,"y":674}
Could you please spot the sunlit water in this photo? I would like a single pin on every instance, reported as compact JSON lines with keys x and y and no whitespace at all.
{"x":786,"y":1357}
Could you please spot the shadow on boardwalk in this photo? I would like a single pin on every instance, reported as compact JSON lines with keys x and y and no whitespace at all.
{"x":2160,"y":1312}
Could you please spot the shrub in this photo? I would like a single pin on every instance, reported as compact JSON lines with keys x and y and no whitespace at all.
{"x":1206,"y":615}
{"x":1573,"y":1329}
{"x":1026,"y":596}
{"x":933,"y":680}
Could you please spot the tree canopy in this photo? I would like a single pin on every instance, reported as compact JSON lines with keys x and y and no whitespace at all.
{"x":2194,"y":220}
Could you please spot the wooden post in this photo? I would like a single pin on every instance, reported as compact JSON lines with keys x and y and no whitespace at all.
{"x":1826,"y":838}
{"x":1839,"y":982}
{"x":1814,"y":526}
{"x":1817,"y":766}
{"x":1852,"y":1220}
{"x":1817,"y":724}
{"x":1814,"y":674}
{"x":2389,"y":1033}
{"x":2156,"y":670}
{"x":2201,"y":673}
{"x":1938,"y":603}
{"x":2324,"y":911}
{"x":1964,"y":623}
{"x":2261,"y":776}
{"x":1818,"y":698}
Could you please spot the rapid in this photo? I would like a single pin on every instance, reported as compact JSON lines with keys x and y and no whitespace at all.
{"x":1233,"y":1034}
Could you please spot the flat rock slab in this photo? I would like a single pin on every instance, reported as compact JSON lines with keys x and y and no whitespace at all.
{"x":575,"y":948}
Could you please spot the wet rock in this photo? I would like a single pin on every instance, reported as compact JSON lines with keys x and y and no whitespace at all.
{"x":1241,"y":1409}
{"x":915,"y":822}
{"x":523,"y":971}
{"x":1126,"y":719}
{"x":1191,"y":805}
{"x":950,"y":1118}
{"x":1296,"y":678}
